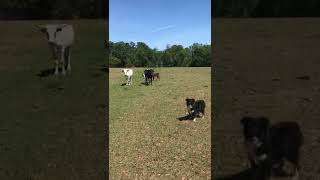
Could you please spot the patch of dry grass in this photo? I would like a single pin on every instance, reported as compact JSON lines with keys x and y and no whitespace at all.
{"x":146,"y":139}
{"x":52,"y":127}
{"x":257,"y":64}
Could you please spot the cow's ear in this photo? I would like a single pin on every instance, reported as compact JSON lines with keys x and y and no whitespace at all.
{"x":187,"y":99}
{"x":42,"y":28}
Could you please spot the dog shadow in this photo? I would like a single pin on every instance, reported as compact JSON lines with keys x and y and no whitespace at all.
{"x":46,"y":72}
{"x":243,"y":175}
{"x":188,"y":117}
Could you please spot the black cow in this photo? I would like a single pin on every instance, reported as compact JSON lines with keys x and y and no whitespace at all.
{"x":148,"y":75}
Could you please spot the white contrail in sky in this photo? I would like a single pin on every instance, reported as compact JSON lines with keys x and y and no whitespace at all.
{"x":163,"y":28}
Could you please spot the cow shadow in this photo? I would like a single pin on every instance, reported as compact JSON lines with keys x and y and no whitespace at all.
{"x":144,"y":83}
{"x":46,"y":72}
{"x":188,"y":117}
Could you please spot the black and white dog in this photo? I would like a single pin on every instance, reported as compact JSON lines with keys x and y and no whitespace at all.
{"x":195,"y":108}
{"x":270,"y":147}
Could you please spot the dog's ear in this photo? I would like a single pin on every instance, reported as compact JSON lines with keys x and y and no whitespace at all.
{"x":245,"y":120}
{"x":187,"y":99}
{"x":264,"y":121}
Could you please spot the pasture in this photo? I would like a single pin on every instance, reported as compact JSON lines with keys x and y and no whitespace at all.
{"x":265,"y":67}
{"x":52,"y":127}
{"x":146,"y":139}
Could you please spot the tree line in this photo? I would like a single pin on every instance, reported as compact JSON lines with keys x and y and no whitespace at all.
{"x":266,"y":8}
{"x":126,"y":54}
{"x":53,"y":9}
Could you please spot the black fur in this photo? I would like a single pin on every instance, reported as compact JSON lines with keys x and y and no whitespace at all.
{"x":195,"y":107}
{"x":255,"y":128}
{"x":148,"y":73}
{"x":279,"y":142}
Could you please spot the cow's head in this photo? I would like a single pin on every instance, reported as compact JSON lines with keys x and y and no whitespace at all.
{"x":51,"y":30}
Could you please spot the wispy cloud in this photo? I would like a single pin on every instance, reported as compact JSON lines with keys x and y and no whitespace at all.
{"x":163,"y":28}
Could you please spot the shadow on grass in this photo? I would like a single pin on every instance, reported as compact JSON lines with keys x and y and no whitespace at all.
{"x":188,"y":117}
{"x":243,"y":175}
{"x":303,"y":77}
{"x":56,"y":87}
{"x":144,"y":83}
{"x":123,"y":84}
{"x":46,"y":73}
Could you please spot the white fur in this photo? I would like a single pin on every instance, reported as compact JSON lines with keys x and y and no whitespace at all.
{"x":128,"y":74}
{"x":59,"y":42}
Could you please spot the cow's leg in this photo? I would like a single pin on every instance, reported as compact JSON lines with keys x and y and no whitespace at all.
{"x":296,"y":175}
{"x":56,"y":71}
{"x":63,"y":60}
{"x":55,"y":55}
{"x":69,"y":60}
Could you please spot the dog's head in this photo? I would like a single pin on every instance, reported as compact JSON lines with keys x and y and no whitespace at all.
{"x":190,"y":103}
{"x":255,"y":130}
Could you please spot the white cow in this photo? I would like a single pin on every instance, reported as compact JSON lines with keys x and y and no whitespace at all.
{"x":128,"y":74}
{"x":60,"y":38}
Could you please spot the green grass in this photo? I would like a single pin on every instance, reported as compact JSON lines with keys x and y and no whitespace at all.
{"x":146,"y":139}
{"x":52,"y":127}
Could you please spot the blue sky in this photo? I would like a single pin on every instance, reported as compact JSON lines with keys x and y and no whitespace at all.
{"x":160,"y":22}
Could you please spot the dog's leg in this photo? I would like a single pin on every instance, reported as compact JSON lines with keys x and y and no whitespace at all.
{"x":201,"y":115}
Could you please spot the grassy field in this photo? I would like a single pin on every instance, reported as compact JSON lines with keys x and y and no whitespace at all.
{"x":146,"y":139}
{"x":52,"y":127}
{"x":267,"y":67}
